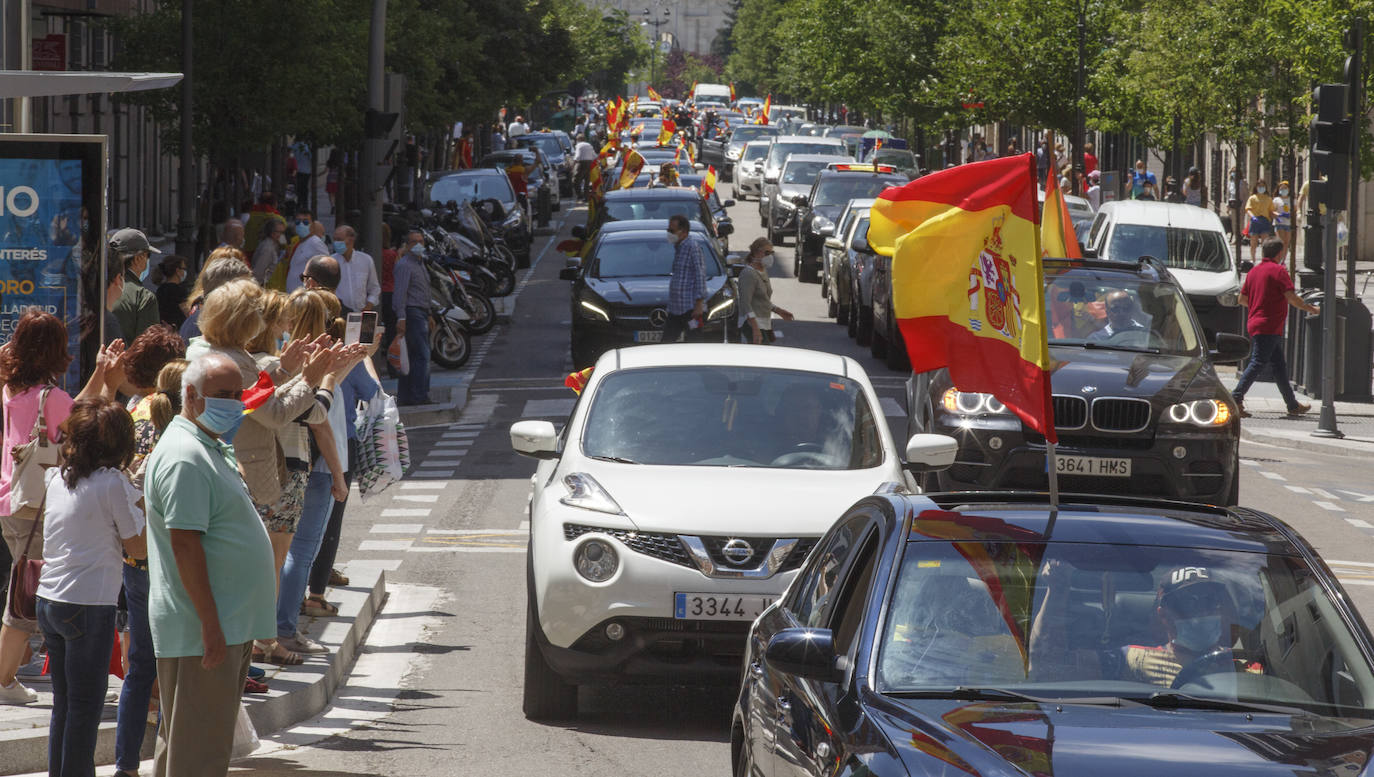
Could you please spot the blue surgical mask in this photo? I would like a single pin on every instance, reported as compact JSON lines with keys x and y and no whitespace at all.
{"x":302,"y":230}
{"x":1197,"y":634}
{"x":143,"y":276}
{"x":339,"y":246}
{"x":282,"y":340}
{"x":418,"y":249}
{"x":222,"y":416}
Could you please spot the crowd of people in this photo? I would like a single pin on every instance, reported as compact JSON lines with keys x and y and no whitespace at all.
{"x":210,"y":452}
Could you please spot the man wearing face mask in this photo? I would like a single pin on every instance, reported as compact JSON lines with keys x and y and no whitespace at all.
{"x":410,"y":301}
{"x":269,"y":250}
{"x":137,"y":307}
{"x":1197,"y":615}
{"x":756,"y":295}
{"x":359,"y":288}
{"x":687,"y":286}
{"x":1139,"y":178}
{"x":212,"y":578}
{"x":311,"y":234}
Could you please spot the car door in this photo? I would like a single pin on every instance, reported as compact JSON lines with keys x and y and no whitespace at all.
{"x":805,"y":605}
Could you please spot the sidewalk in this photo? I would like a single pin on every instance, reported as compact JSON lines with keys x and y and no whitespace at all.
{"x":1270,"y":423}
{"x":297,"y":692}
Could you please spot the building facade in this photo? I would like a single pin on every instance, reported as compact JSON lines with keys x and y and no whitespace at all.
{"x":691,"y":25}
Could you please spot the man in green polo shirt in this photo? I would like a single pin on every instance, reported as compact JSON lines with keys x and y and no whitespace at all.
{"x":213,"y":583}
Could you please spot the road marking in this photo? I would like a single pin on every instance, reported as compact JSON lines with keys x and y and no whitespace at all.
{"x":891,"y":409}
{"x":1349,"y":581}
{"x":1359,"y":523}
{"x":433,"y":474}
{"x":525,"y":526}
{"x":1358,"y":496}
{"x":385,"y":545}
{"x":1350,"y":564}
{"x":474,"y":532}
{"x":388,"y":564}
{"x":1297,"y":489}
{"x":1328,"y":506}
{"x":460,"y":435}
{"x":543,"y":408}
{"x":1249,"y":462}
{"x":409,"y":486}
{"x":434,"y":462}
{"x":453,"y":443}
{"x":520,"y":549}
{"x":1272,"y":475}
{"x":1324,"y":494}
{"x":429,"y":498}
{"x":397,"y":528}
{"x":405,"y":512}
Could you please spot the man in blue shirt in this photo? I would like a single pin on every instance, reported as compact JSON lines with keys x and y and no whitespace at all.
{"x":411,"y":301}
{"x":1139,"y":178}
{"x":687,"y":288}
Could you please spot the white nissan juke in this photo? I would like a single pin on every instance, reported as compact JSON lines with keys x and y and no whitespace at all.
{"x":686,"y":489}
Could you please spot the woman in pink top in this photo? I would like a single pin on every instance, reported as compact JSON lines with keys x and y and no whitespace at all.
{"x":35,"y":357}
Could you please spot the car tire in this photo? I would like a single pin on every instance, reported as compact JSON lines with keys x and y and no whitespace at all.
{"x":877,"y":345}
{"x":809,"y":273}
{"x":547,"y":696}
{"x":450,"y":346}
{"x":743,"y":766}
{"x":831,"y":309}
{"x":895,"y":358}
{"x":863,"y":327}
{"x":1233,"y":496}
{"x":841,"y":314}
{"x":775,"y":238}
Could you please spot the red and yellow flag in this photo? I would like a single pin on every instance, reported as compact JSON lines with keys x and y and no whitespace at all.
{"x":732,"y":93}
{"x":763,"y":112}
{"x":654,"y":95}
{"x":256,"y":395}
{"x":578,"y":380}
{"x":633,"y":164}
{"x":682,"y":148}
{"x":967,"y":280}
{"x":1057,"y":236}
{"x":708,"y":181}
{"x":622,"y":114}
{"x":665,"y":135}
{"x":692,"y":94}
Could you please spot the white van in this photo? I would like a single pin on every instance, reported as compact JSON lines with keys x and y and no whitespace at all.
{"x":716,"y":93}
{"x":1190,"y":241}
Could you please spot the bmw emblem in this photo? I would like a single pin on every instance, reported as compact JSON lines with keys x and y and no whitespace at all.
{"x":1089,"y":389}
{"x":658,"y":317}
{"x":737,"y":551}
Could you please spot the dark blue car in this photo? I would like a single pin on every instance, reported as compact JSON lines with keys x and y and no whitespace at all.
{"x":981,"y":634}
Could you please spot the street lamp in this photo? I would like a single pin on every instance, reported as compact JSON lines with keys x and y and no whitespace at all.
{"x":656,"y":21}
{"x":1079,"y":130}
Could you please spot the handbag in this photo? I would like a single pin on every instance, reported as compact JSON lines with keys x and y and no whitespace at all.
{"x":383,"y":446}
{"x":24,"y":575}
{"x":31,"y":460}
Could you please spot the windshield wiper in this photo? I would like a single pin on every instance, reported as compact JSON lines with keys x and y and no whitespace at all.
{"x":617,"y":459}
{"x":624,"y":291}
{"x":970,"y":693}
{"x":1109,"y":347}
{"x":1176,"y":700}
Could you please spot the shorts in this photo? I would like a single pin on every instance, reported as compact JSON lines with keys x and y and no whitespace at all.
{"x":283,"y":515}
{"x":16,"y":533}
{"x":1260,"y":226}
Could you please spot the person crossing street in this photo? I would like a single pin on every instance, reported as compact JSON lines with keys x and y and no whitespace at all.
{"x":1267,"y":292}
{"x":687,"y":289}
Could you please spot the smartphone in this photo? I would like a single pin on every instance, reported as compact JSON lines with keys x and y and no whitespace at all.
{"x":367,"y":333}
{"x":353,"y":328}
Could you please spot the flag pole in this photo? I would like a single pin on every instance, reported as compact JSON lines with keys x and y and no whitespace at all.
{"x":1051,"y":463}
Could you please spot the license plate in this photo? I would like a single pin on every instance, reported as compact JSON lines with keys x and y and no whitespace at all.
{"x":1093,"y":465}
{"x":649,"y":336}
{"x":715,"y":607}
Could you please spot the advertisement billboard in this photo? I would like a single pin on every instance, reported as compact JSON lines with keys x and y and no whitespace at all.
{"x":52,"y":205}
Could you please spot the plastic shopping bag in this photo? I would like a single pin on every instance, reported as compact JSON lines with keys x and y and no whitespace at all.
{"x":383,"y":448}
{"x":245,"y":735}
{"x":398,"y":356}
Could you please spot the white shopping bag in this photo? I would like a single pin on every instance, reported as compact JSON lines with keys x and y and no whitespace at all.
{"x":245,"y":736}
{"x":383,"y":448}
{"x":398,"y":356}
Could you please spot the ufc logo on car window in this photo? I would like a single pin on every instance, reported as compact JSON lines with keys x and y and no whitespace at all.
{"x":1188,"y":573}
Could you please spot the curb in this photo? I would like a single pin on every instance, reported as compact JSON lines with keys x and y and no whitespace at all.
{"x":415,"y":416}
{"x":1305,"y":441}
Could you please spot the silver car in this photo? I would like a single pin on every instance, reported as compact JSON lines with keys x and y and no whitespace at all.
{"x":749,"y":169}
{"x":837,"y":259}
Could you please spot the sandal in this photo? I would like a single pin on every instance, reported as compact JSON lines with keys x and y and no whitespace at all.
{"x":317,"y":607}
{"x":254,"y":686}
{"x":337,"y":578}
{"x":274,"y":653}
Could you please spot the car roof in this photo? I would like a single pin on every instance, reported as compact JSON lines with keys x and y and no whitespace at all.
{"x":657,"y":193}
{"x":826,"y":158}
{"x":1107,"y":520}
{"x":808,"y":139}
{"x":1146,"y":267}
{"x":1174,"y":214}
{"x":657,"y":226}
{"x":732,"y":355}
{"x":897,"y":180}
{"x":473,"y":171}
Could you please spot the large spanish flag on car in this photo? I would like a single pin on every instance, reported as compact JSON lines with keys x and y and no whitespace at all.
{"x":633,"y":164}
{"x":1057,"y":236}
{"x":967,"y":280}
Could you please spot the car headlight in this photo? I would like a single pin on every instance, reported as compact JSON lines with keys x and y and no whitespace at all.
{"x":1201,"y":412}
{"x":596,"y":560}
{"x":733,"y":153}
{"x":721,"y":309}
{"x":586,"y":493}
{"x":971,"y":403}
{"x":513,"y":220}
{"x":591,"y":310}
{"x":821,"y":222}
{"x":1229,"y":299}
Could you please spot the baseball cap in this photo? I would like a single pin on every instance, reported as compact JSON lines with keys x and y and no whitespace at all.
{"x":1189,"y":589}
{"x":1094,"y":175}
{"x":131,"y":241}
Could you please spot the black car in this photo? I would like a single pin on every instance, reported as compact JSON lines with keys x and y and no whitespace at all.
{"x":984,"y":634}
{"x":620,"y":290}
{"x":485,"y":184}
{"x":818,"y":210}
{"x":537,"y":170}
{"x":658,"y":203}
{"x":1138,"y":406}
{"x":724,"y":150}
{"x":552,"y":149}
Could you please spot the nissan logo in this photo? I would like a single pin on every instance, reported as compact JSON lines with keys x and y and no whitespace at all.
{"x":737,"y":551}
{"x":658,"y":317}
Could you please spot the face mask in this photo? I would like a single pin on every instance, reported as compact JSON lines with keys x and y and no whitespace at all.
{"x":1197,"y":634}
{"x":418,"y":249}
{"x":282,"y":340}
{"x":1284,"y":191}
{"x":674,"y":238}
{"x":767,"y":261}
{"x":339,"y":246}
{"x":302,"y":230}
{"x":1261,"y":189}
{"x":281,"y":239}
{"x":143,"y":276}
{"x":222,"y":416}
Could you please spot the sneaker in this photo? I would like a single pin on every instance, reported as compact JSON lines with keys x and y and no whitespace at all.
{"x":301,"y":644}
{"x":256,"y":672}
{"x":17,"y":693}
{"x":1240,"y":409}
{"x":1299,"y":409}
{"x":33,"y":670}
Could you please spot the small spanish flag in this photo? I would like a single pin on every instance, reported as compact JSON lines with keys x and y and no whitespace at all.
{"x":633,"y":164}
{"x":682,"y":148}
{"x":665,"y":135}
{"x":732,"y":92}
{"x":257,"y":394}
{"x":655,"y":96}
{"x":1057,"y":236}
{"x":708,"y":181}
{"x":763,"y":112}
{"x":578,"y":380}
{"x":967,"y":280}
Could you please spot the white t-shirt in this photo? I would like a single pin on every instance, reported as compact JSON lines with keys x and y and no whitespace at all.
{"x":517,"y":128}
{"x":83,"y":558}
{"x":583,"y":152}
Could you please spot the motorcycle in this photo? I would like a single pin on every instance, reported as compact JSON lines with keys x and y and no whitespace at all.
{"x":450,"y":344}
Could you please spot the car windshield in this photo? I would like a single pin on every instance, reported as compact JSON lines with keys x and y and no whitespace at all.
{"x":1184,"y":249}
{"x":778,"y":152}
{"x":709,"y":416}
{"x":839,"y":189}
{"x":623,"y":256}
{"x":802,"y":172}
{"x":996,"y":607}
{"x":1119,"y":311}
{"x":895,"y":157}
{"x":471,"y":187}
{"x":654,"y":208}
{"x":546,"y":143}
{"x":748,"y":132}
{"x":754,"y":151}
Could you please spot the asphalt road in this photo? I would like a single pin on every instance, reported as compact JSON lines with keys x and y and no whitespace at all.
{"x":457,"y":525}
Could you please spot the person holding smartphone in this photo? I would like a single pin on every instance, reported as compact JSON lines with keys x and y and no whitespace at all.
{"x":411,"y":301}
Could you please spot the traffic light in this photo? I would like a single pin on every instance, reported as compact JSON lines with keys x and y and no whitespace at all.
{"x":377,"y":124}
{"x":1331,"y":133}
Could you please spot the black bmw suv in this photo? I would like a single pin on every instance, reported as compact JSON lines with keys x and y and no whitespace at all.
{"x":1138,"y":406}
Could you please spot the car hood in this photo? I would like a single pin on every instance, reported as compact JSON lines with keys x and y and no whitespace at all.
{"x":641,"y":290}
{"x":831,"y":212}
{"x":1021,"y":740}
{"x":1201,"y":282}
{"x":747,"y":501}
{"x":1113,"y":373}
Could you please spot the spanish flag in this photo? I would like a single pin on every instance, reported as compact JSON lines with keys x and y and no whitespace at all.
{"x":708,"y":181}
{"x":967,"y":280}
{"x":1057,"y":236}
{"x":732,"y":93}
{"x":665,"y":135}
{"x":682,"y":148}
{"x":256,"y":395}
{"x":633,"y":164}
{"x":578,"y":380}
{"x":613,"y":115}
{"x":763,"y":112}
{"x":655,"y":96}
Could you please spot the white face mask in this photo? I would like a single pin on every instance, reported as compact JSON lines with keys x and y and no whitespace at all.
{"x":674,"y":238}
{"x":1283,"y":190}
{"x":1261,"y":189}
{"x":767,"y":261}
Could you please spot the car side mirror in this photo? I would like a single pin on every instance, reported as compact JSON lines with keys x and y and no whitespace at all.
{"x":1247,"y":266}
{"x":579,"y":232}
{"x":728,"y":204}
{"x":834,"y":243}
{"x":725,"y":229}
{"x":860,"y":244}
{"x":930,"y":452}
{"x":536,"y":439}
{"x":568,"y":274}
{"x":770,"y":179}
{"x":801,"y":199}
{"x":1230,"y":348}
{"x":808,"y":653}
{"x":826,"y":231}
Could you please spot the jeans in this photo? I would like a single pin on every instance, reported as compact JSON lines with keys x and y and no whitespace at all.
{"x":80,"y":639}
{"x":132,"y":722}
{"x":414,"y":387}
{"x":1266,"y":349}
{"x":329,"y":546}
{"x":677,"y":325}
{"x":295,"y":572}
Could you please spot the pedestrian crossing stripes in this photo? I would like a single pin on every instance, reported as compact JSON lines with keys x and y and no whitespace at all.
{"x":549,"y":408}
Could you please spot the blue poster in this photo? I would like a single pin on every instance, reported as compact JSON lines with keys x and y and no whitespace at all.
{"x":40,"y":246}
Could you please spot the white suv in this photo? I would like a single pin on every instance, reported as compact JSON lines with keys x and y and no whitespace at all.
{"x":686,"y":489}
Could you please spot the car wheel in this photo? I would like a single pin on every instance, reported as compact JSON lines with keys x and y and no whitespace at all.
{"x":877,"y":344}
{"x":1233,"y":496}
{"x":809,"y":273}
{"x":863,"y":327}
{"x":841,"y":314}
{"x":831,"y":309}
{"x":547,"y":695}
{"x":895,"y":358}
